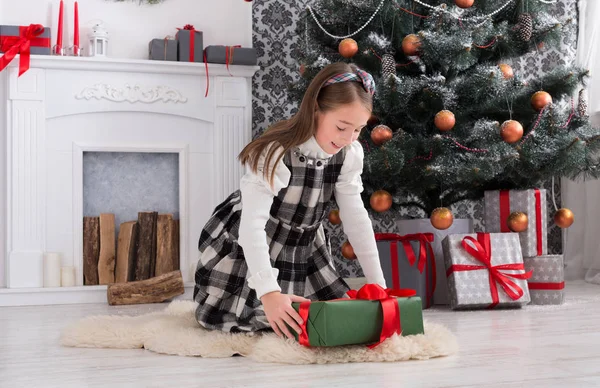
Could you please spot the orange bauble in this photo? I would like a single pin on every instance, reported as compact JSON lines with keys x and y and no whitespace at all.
{"x":444,"y":120}
{"x":464,"y":3}
{"x":302,"y":69}
{"x":348,"y":48}
{"x":564,"y":218}
{"x":334,"y":217}
{"x":381,"y":201}
{"x":506,"y":70}
{"x":517,"y":222}
{"x":441,"y":218}
{"x":540,"y":99}
{"x":411,"y":44}
{"x":348,"y":251}
{"x":381,"y":134}
{"x":511,"y":131}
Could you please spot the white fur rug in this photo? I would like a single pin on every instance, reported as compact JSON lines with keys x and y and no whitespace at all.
{"x":175,"y":331}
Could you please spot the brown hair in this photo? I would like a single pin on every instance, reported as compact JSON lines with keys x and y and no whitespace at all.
{"x":298,"y":129}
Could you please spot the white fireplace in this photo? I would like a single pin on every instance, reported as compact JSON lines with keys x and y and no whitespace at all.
{"x":63,"y":107}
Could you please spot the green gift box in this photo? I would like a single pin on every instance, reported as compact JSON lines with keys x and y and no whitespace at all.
{"x":356,"y":321}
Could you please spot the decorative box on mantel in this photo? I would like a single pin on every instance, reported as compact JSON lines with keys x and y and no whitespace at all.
{"x":65,"y":106}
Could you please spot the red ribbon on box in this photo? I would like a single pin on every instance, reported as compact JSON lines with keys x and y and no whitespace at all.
{"x":482,"y":252}
{"x":192,"y":30}
{"x":425,"y":240}
{"x":505,"y":213}
{"x":228,"y":60}
{"x":389,"y":304}
{"x":13,"y":45}
{"x":546,"y":286}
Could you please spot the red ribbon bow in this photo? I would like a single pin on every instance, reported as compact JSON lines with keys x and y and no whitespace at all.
{"x":13,"y":45}
{"x":425,"y":240}
{"x":389,"y":305}
{"x":482,"y":252}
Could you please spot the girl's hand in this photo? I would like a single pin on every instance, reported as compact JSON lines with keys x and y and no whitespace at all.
{"x":279,"y":311}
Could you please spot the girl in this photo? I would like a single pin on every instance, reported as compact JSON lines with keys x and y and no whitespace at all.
{"x":264,"y":247}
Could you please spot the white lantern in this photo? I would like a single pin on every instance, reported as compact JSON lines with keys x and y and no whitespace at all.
{"x":98,"y":41}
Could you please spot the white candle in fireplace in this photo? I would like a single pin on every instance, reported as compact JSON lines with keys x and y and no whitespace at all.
{"x":67,"y":276}
{"x":52,"y":264}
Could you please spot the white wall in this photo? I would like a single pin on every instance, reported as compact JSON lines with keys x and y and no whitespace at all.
{"x":131,"y":26}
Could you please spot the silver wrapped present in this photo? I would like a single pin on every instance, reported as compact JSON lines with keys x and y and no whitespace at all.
{"x":499,"y":204}
{"x":546,"y":285}
{"x":485,"y":270}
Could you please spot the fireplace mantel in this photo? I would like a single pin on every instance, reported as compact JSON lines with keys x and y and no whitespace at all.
{"x":64,"y":106}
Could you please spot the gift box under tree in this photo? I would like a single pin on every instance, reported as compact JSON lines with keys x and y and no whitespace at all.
{"x":403,"y":269}
{"x":500,"y":204}
{"x":485,"y":270}
{"x":368,"y":317}
{"x":547,"y":282}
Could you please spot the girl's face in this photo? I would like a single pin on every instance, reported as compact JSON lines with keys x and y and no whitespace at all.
{"x":340,"y":127}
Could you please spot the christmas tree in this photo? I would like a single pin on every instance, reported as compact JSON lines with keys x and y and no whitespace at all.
{"x":450,"y":117}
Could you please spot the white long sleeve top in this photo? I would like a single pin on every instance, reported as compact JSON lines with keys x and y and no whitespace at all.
{"x":257,"y":198}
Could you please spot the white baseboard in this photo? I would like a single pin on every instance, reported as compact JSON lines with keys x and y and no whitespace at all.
{"x":64,"y":295}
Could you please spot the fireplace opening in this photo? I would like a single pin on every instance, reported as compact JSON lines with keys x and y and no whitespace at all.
{"x":131,"y":215}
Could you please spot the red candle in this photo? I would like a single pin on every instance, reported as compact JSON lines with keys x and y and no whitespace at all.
{"x":60,"y":26}
{"x":76,"y":34}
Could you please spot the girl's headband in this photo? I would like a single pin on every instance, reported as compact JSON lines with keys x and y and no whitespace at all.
{"x":360,"y":76}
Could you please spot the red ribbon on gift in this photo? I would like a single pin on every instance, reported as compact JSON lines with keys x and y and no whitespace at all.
{"x":505,"y":213}
{"x":228,"y":59}
{"x":189,"y":27}
{"x":546,"y":286}
{"x":13,"y":45}
{"x":482,"y":252}
{"x":389,"y":305}
{"x":425,"y":240}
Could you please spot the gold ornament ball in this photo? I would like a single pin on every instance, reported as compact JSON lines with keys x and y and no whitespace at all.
{"x":334,"y":217}
{"x":348,"y":48}
{"x":464,"y":3}
{"x":381,"y":201}
{"x":441,"y":218}
{"x":517,"y":222}
{"x":381,"y":134}
{"x":540,"y":99}
{"x":444,"y":120}
{"x":564,"y":218}
{"x":511,"y":131}
{"x":348,"y":251}
{"x":411,"y":44}
{"x":506,"y":70}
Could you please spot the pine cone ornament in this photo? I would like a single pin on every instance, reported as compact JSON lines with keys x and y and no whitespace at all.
{"x":388,"y":65}
{"x":582,"y":104}
{"x":524,"y":27}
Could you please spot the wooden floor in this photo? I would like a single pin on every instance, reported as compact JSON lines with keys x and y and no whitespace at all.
{"x":537,"y":346}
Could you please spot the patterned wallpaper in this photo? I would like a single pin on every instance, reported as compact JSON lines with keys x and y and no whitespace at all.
{"x":274,"y":24}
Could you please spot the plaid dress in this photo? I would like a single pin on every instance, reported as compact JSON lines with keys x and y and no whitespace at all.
{"x":298,"y":248}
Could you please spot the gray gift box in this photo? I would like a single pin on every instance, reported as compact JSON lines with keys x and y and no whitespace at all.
{"x":546,"y":285}
{"x":519,"y":201}
{"x":408,"y":275}
{"x":459,"y":226}
{"x":162,"y":50}
{"x":188,"y":51}
{"x":471,"y":289}
{"x":40,"y":45}
{"x":237,"y":55}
